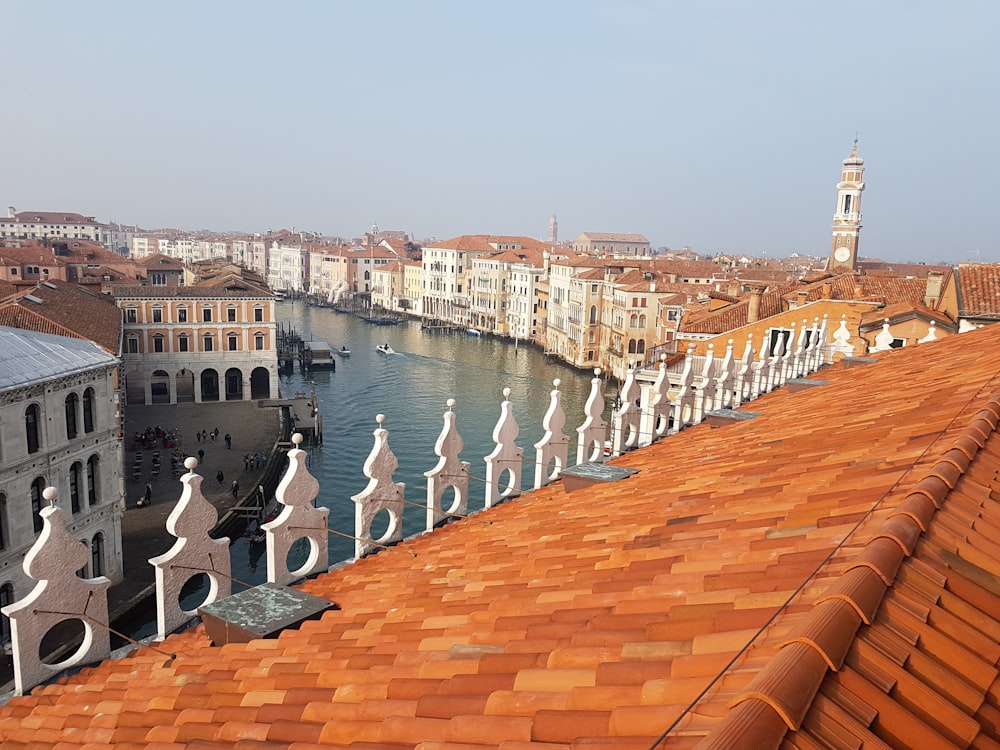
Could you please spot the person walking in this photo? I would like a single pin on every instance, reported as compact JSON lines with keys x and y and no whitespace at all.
{"x":235,"y":488}
{"x":147,"y":496}
{"x":201,"y":456}
{"x":220,"y":477}
{"x":229,"y":441}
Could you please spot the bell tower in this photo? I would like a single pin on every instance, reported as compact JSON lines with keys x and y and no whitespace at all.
{"x":847,"y":218}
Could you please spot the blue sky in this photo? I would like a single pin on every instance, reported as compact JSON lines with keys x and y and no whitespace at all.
{"x":719,"y":125}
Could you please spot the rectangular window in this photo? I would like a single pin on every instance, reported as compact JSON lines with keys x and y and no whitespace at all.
{"x":232,"y":342}
{"x":231,"y":314}
{"x":157,"y":315}
{"x":182,"y":315}
{"x":258,"y":314}
{"x":157,"y":343}
{"x":206,"y":314}
{"x":208,"y":344}
{"x":258,"y":342}
{"x":130,"y":315}
{"x":182,"y":344}
{"x":133,"y":346}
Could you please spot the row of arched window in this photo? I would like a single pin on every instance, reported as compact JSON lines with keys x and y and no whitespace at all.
{"x":75,"y":418}
{"x":84,"y":492}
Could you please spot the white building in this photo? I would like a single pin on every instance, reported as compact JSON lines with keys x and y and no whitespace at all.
{"x":609,"y":244}
{"x":60,"y":418}
{"x":37,"y":225}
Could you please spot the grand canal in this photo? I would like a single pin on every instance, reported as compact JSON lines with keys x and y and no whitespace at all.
{"x":411,"y":388}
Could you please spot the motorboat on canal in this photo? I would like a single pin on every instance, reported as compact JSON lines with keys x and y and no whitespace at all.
{"x":344,"y":351}
{"x":385,"y":349}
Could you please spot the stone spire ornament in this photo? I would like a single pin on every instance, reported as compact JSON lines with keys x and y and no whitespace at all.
{"x":381,"y":494}
{"x":590,"y":434}
{"x":503,"y":465}
{"x":299,"y":519}
{"x":193,"y":552}
{"x":450,"y":472}
{"x":59,"y":596}
{"x":552,"y":451}
{"x":625,"y":419}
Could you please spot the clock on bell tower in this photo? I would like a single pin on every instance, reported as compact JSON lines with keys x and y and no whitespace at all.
{"x":847,"y":218}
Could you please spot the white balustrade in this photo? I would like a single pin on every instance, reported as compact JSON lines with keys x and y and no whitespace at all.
{"x":552,"y":451}
{"x":193,"y":552}
{"x":381,"y":495}
{"x":625,"y":420}
{"x":684,"y":403}
{"x":450,"y":472}
{"x":59,"y":595}
{"x":503,"y":465}
{"x":724,"y":380}
{"x":299,"y":520}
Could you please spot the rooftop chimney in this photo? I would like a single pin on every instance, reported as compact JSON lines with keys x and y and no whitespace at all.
{"x":935,"y":280}
{"x":753,"y":311}
{"x":11,"y":212}
{"x":827,"y":290}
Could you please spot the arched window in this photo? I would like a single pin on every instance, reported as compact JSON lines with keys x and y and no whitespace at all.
{"x":36,"y":503}
{"x":32,"y":427}
{"x":593,"y":314}
{"x":642,"y":321}
{"x":633,"y":320}
{"x":71,"y":402}
{"x":631,"y":346}
{"x":88,"y":410}
{"x":6,"y":597}
{"x":97,"y":555}
{"x":75,"y":480}
{"x":93,"y":480}
{"x":640,"y":347}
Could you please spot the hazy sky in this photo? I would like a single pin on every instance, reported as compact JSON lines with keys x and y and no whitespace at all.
{"x":719,"y":125}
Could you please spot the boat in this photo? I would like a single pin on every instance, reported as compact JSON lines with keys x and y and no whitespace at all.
{"x":344,"y":351}
{"x":385,"y":349}
{"x":474,"y":332}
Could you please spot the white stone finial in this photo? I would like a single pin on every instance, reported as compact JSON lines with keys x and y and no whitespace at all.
{"x":450,"y":403}
{"x":382,"y":493}
{"x":597,"y":372}
{"x":59,"y":595}
{"x":297,"y":439}
{"x":299,"y":519}
{"x":380,"y":418}
{"x":556,"y":382}
{"x":450,"y":471}
{"x":552,"y":451}
{"x":505,"y":459}
{"x":190,"y":522}
{"x":592,"y":433}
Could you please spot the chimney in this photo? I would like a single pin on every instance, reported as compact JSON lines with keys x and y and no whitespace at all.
{"x":11,"y":212}
{"x":753,"y":312}
{"x":800,"y":299}
{"x":827,"y":290}
{"x":935,"y":280}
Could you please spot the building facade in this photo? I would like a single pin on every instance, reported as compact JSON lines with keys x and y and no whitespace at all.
{"x":61,"y":427}
{"x":198,"y":343}
{"x":847,"y":218}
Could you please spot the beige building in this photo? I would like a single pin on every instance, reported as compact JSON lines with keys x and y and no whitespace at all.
{"x":38,"y":225}
{"x":211,"y":341}
{"x":610,"y":244}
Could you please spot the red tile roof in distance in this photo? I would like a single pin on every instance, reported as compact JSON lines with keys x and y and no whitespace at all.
{"x":823,"y":575}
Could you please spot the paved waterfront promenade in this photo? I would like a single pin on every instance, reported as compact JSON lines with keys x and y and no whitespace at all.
{"x":144,"y":534}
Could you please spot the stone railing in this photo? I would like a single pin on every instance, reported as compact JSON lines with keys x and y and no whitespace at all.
{"x":652,"y":403}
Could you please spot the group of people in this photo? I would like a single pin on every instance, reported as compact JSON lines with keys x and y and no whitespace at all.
{"x":253,"y":461}
{"x":154,"y":437}
{"x":204,"y":436}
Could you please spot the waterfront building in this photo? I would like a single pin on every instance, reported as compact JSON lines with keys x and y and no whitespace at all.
{"x":388,"y":285}
{"x":412,"y":285}
{"x":611,"y":244}
{"x":45,"y":225}
{"x":288,"y":268}
{"x":213,"y":339}
{"x":492,"y":291}
{"x":60,"y":418}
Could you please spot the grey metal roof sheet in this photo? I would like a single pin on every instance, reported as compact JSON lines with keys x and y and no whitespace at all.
{"x":27,"y":356}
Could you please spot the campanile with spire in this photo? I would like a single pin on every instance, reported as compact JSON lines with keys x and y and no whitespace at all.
{"x":847,"y":218}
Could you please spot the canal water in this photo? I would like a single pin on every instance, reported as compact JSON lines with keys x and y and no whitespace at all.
{"x":411,"y":388}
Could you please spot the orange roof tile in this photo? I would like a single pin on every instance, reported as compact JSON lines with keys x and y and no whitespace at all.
{"x":824,"y":573}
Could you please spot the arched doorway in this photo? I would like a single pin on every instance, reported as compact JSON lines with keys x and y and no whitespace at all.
{"x":209,"y":385}
{"x":234,"y":384}
{"x":135,"y":388}
{"x":260,"y":383}
{"x":185,"y":385}
{"x":159,"y":385}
